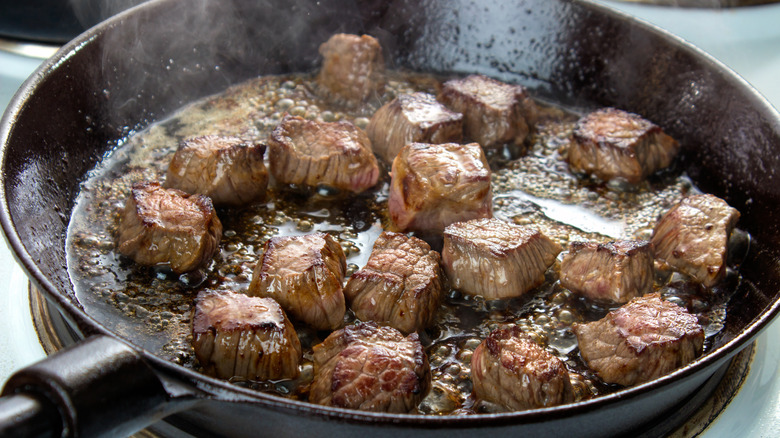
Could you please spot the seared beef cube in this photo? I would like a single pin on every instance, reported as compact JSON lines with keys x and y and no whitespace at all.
{"x":412,"y":118}
{"x":614,"y":271}
{"x":610,"y":144}
{"x":353,"y":68}
{"x":227,"y":169}
{"x":250,"y":337}
{"x":311,"y":153}
{"x":510,"y":369}
{"x":642,"y":340}
{"x":400,"y":285}
{"x":305,"y":275}
{"x":496,"y":259}
{"x":433,"y":186}
{"x":168,"y":227}
{"x":693,"y":237}
{"x":494,"y":113}
{"x":370,"y":368}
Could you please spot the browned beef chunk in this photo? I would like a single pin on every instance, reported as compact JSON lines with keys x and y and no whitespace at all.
{"x":510,"y":369}
{"x":227,"y":169}
{"x":168,"y":227}
{"x":693,"y":236}
{"x":237,"y":335}
{"x":305,"y":275}
{"x":353,"y":68}
{"x":370,"y":368}
{"x":496,"y":259}
{"x":433,"y":186}
{"x":311,"y":153}
{"x":494,"y":113}
{"x":643,"y":340}
{"x":615,"y":271}
{"x":611,"y":144}
{"x":412,"y":118}
{"x":401,"y":284}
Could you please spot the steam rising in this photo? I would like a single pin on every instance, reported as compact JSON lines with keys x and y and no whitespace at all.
{"x":91,"y":12}
{"x":169,"y":53}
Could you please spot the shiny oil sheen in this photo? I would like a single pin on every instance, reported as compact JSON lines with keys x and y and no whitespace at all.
{"x":530,"y":187}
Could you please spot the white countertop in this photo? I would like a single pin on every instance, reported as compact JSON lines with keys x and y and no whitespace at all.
{"x":745,"y":39}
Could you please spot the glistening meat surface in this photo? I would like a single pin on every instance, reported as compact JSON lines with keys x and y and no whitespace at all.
{"x":610,"y":144}
{"x":227,"y":169}
{"x":305,"y":275}
{"x":693,"y":237}
{"x":510,"y":369}
{"x":250,"y":337}
{"x":402,"y":283}
{"x":612,"y":271}
{"x":373,"y":368}
{"x":494,"y":113}
{"x":433,"y":186}
{"x":496,"y":259}
{"x":312,"y":153}
{"x":168,"y":227}
{"x":644,"y":339}
{"x":412,"y":118}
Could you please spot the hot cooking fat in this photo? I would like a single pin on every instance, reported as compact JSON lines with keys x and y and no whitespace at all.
{"x":168,"y":227}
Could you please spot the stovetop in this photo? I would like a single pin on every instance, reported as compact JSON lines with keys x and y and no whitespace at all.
{"x":745,"y":39}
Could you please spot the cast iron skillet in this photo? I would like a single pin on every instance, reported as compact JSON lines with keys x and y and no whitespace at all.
{"x":142,"y":65}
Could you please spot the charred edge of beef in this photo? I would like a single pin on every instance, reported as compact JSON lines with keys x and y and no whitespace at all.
{"x":641,"y":341}
{"x":615,"y":271}
{"x":412,"y":118}
{"x":250,"y":337}
{"x":401,"y":284}
{"x":227,"y":169}
{"x":496,"y":259}
{"x":371,"y":368}
{"x":305,"y":275}
{"x":168,"y":227}
{"x":611,"y":143}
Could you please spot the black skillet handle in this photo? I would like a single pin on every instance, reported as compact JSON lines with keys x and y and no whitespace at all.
{"x":99,"y":387}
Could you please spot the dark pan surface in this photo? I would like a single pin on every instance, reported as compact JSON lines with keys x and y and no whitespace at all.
{"x":142,"y":66}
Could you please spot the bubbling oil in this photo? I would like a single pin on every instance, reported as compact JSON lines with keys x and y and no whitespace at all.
{"x":153,"y":307}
